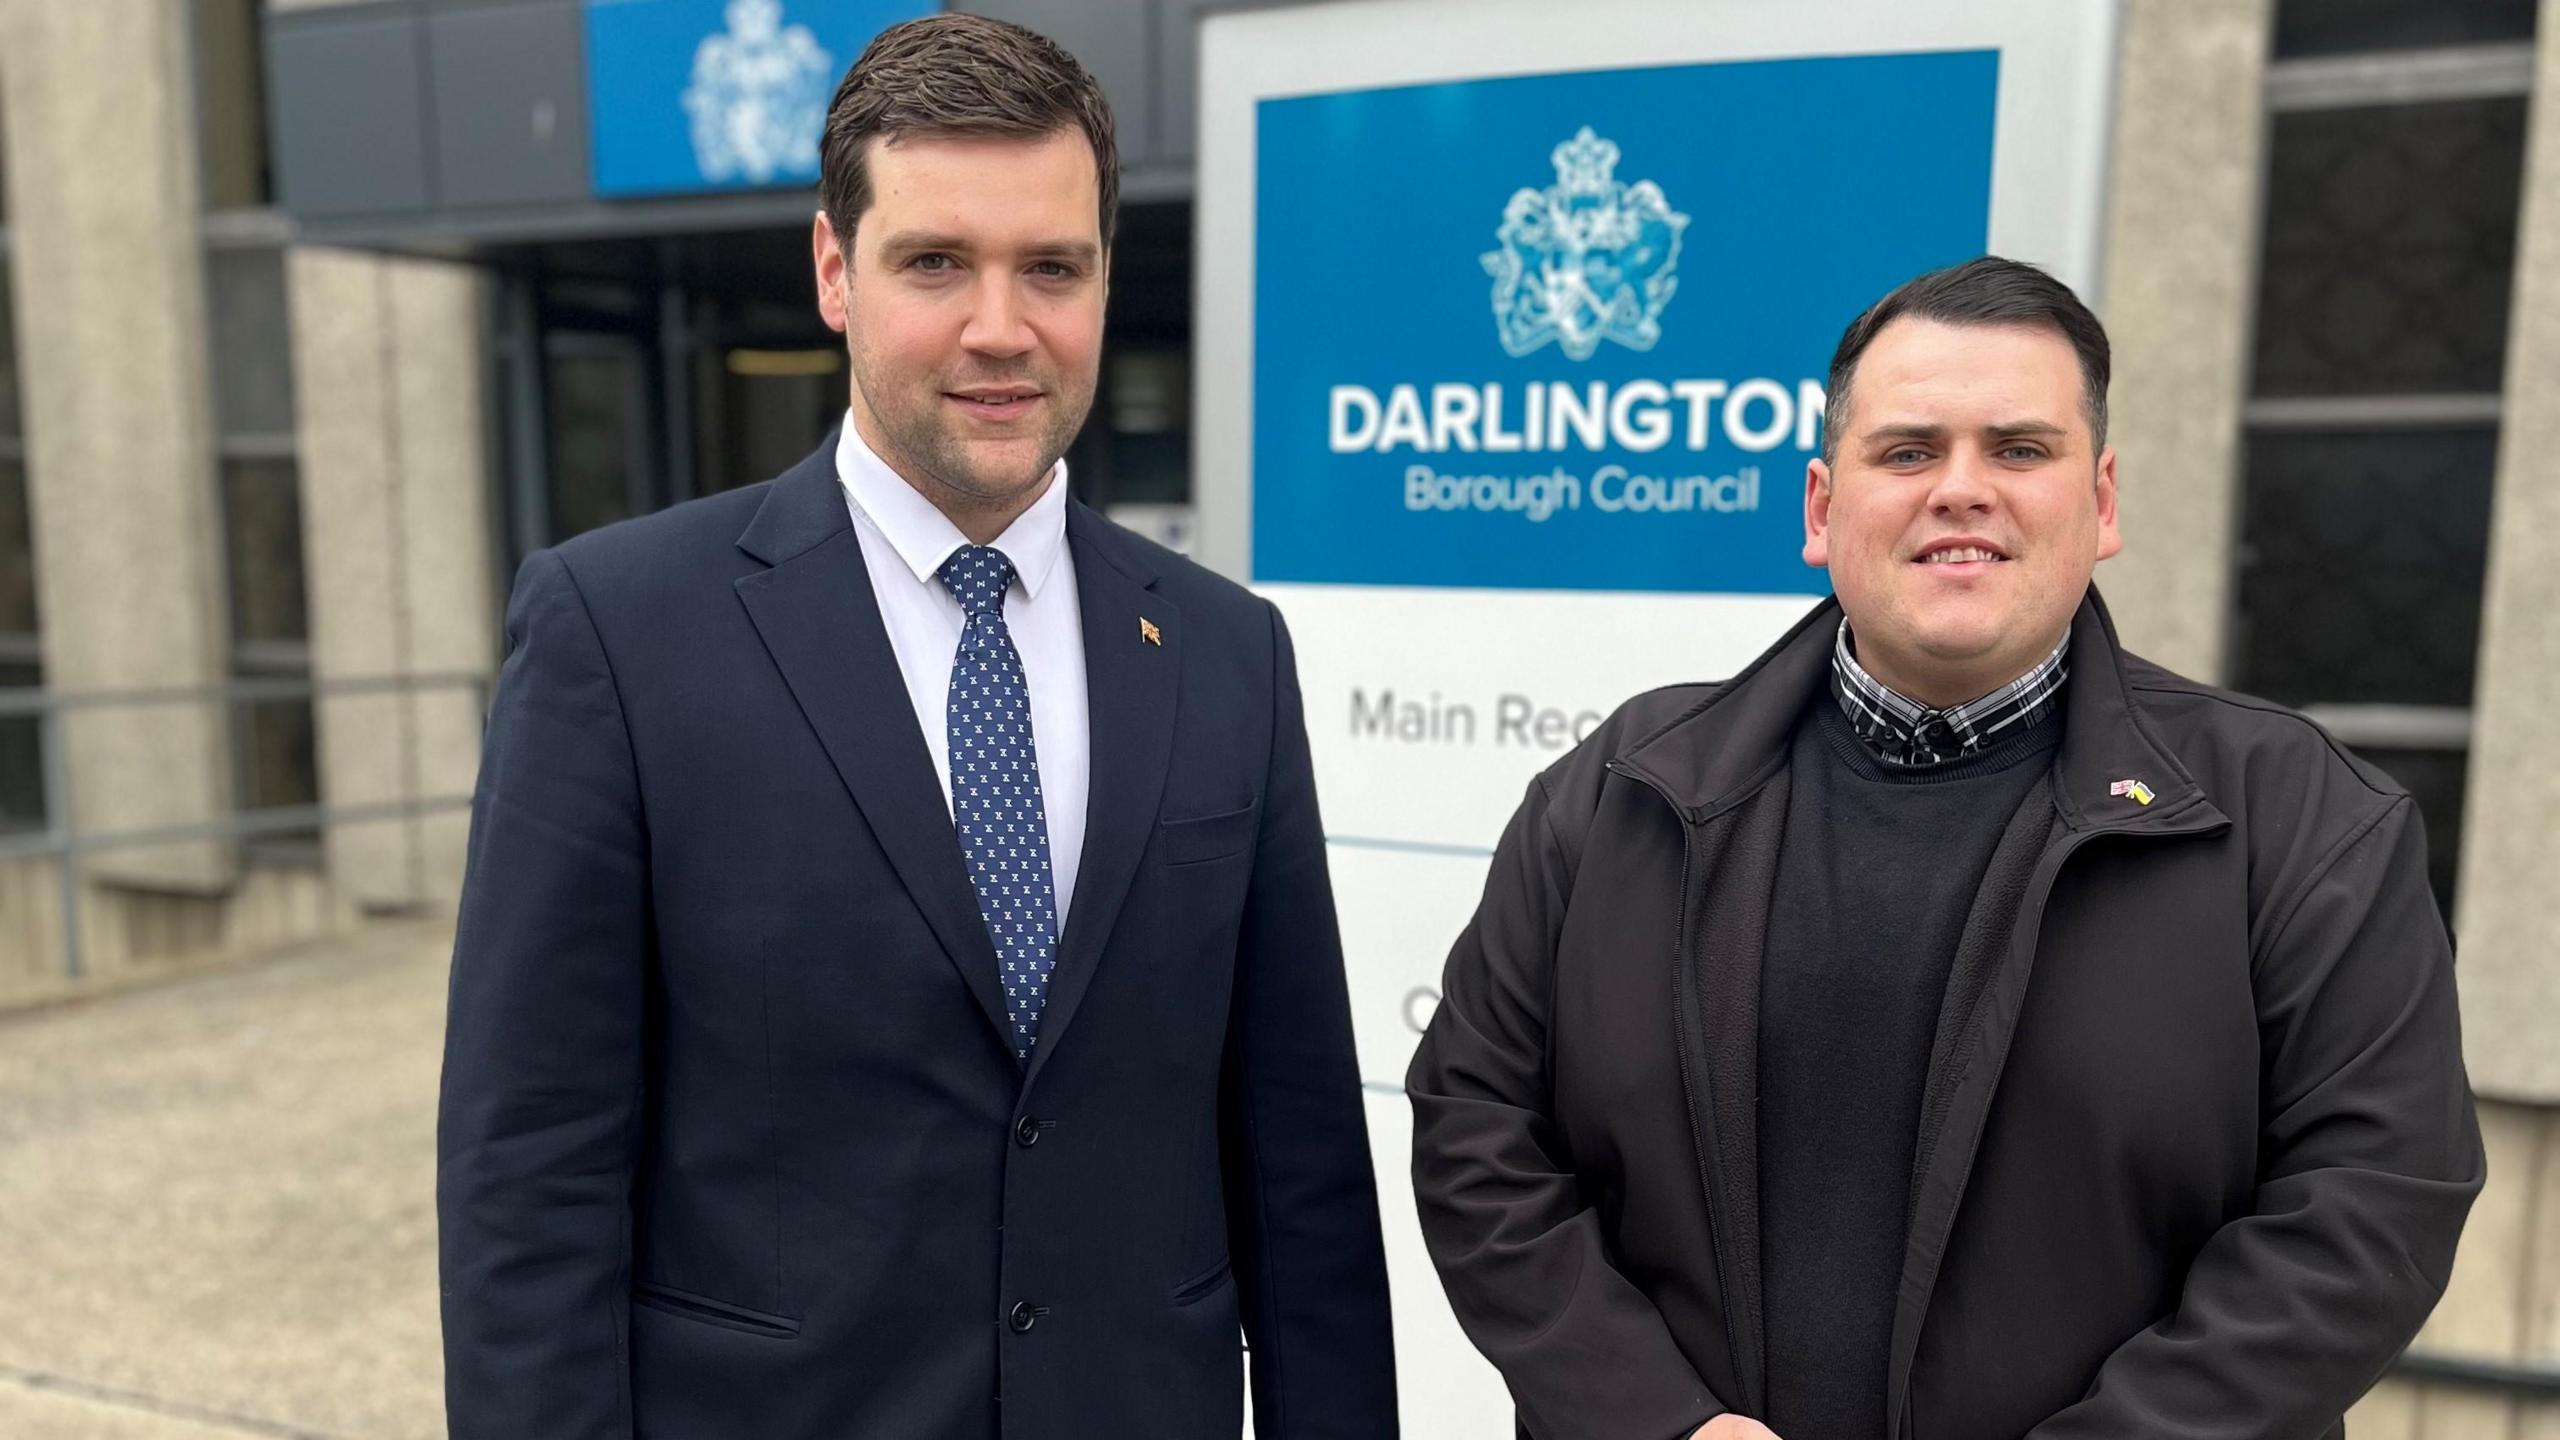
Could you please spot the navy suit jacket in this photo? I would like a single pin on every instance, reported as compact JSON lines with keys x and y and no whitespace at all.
{"x":732,"y":1143}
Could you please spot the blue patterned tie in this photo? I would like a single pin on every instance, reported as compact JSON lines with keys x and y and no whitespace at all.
{"x":995,"y":790}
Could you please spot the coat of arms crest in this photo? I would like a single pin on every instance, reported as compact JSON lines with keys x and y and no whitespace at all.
{"x":1587,"y":259}
{"x":759,"y":97}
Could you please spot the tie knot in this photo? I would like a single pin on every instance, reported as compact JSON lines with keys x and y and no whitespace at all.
{"x":976,"y":576}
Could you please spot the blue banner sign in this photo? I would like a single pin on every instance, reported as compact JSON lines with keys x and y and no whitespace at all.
{"x":694,"y":95}
{"x":1569,"y":331}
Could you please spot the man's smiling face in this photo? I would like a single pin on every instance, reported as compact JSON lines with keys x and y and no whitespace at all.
{"x":972,"y":303}
{"x":1966,"y":505}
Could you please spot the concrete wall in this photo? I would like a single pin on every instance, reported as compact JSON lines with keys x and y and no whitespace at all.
{"x":2510,"y":929}
{"x":389,"y":360}
{"x":109,"y":277}
{"x":131,"y":937}
{"x":2181,"y":265}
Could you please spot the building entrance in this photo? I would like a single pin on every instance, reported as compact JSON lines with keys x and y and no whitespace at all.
{"x":635,"y":373}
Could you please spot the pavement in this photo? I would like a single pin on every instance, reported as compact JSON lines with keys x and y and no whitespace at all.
{"x":217,"y":1210}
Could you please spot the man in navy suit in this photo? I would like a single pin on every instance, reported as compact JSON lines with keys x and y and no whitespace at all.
{"x":897,"y":991}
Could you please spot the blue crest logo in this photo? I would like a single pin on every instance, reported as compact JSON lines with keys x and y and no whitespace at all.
{"x":1585,"y":260}
{"x":759,"y":96}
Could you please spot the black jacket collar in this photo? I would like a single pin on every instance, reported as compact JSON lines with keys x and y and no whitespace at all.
{"x":1723,"y":748}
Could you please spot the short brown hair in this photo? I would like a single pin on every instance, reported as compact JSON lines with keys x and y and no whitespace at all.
{"x":955,"y":74}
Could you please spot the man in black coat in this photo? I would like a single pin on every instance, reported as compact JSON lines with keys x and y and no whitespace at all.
{"x":1952,"y":1027}
{"x":897,"y":991}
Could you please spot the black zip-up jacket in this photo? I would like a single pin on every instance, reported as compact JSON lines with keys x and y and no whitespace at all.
{"x":2195,"y":1145}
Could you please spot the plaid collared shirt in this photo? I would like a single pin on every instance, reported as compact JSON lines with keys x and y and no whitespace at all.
{"x":1901,"y":731}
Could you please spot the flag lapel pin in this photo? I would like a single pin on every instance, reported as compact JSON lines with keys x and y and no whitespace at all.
{"x":1148,"y":632}
{"x":2133,"y":790}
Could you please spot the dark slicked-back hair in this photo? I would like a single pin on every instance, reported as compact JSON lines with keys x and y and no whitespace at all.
{"x":1988,"y":291}
{"x":953,"y":74}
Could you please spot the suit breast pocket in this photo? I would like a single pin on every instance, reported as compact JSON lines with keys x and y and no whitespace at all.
{"x":1201,"y":839}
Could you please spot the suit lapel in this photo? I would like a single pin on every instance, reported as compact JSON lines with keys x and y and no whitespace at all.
{"x":1131,"y":681}
{"x":821,"y":623}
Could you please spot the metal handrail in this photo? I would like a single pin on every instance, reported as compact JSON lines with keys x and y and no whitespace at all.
{"x":2514,"y":1378}
{"x":239,"y":825}
{"x":63,"y":840}
{"x":40,"y":700}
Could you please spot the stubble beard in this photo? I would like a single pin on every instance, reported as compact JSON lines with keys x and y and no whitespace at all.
{"x":923,"y":444}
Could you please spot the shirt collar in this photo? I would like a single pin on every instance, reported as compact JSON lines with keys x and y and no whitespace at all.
{"x":1901,"y":731}
{"x":924,"y":537}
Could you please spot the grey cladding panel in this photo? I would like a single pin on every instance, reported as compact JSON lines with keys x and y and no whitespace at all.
{"x":1113,"y":40}
{"x":1178,"y":76}
{"x":510,"y":103}
{"x":345,"y":102}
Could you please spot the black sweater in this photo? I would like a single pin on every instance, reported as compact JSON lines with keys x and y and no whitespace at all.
{"x":1878,"y":873}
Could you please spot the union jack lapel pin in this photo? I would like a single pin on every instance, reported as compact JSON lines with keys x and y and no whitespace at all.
{"x":2134,"y":790}
{"x":1148,"y":632}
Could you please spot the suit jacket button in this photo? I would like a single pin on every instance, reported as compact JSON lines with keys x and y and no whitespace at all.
{"x":1026,"y":1133}
{"x":1023,"y":1316}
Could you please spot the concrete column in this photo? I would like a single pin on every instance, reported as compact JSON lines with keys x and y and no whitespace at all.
{"x":110,"y":288}
{"x":2510,"y":929}
{"x":390,"y":361}
{"x":2181,"y":270}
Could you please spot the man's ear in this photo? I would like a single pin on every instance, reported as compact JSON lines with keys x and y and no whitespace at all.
{"x":1817,"y":513}
{"x":2110,"y":539}
{"x":831,"y":264}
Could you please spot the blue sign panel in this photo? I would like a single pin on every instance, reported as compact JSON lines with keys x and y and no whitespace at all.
{"x":1569,"y":331}
{"x":692,"y":95}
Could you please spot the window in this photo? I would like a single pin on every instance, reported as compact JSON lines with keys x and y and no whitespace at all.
{"x":21,"y":757}
{"x":275,"y":760}
{"x":1135,"y":451}
{"x":761,"y":407}
{"x":601,"y":441}
{"x":275,"y":757}
{"x":2365,"y":552}
{"x":21,"y":655}
{"x":2390,"y":249}
{"x":252,"y":359}
{"x":231,"y":105}
{"x":2395,"y":166}
{"x":2339,"y":27}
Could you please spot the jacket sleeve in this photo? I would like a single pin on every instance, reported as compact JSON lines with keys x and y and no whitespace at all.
{"x":2369,"y":1158}
{"x":1302,"y":1202}
{"x":1518,"y":1246}
{"x":535,"y":1134}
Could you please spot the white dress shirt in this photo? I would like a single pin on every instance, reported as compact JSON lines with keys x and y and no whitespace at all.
{"x":904,"y":542}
